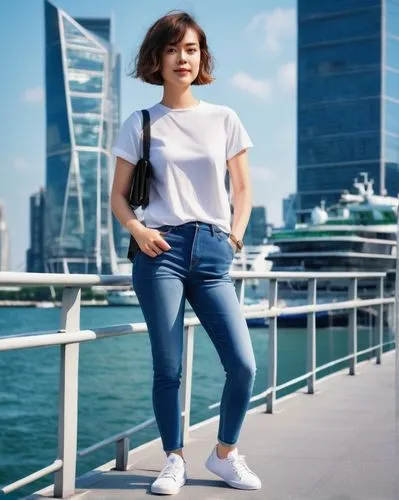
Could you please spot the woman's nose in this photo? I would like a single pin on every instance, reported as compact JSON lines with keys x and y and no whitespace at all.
{"x":182,"y":57}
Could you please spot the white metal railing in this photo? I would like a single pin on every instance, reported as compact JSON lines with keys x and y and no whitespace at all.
{"x":69,"y":336}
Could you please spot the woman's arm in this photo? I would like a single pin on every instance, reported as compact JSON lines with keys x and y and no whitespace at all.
{"x":149,"y":240}
{"x":120,"y":188}
{"x":242,"y":192}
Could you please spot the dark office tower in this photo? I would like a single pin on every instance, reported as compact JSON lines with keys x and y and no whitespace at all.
{"x":35,"y":254}
{"x":82,"y":111}
{"x":348,"y":97}
{"x":256,"y":228}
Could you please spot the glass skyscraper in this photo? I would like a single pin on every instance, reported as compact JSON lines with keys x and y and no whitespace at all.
{"x":348,"y":98}
{"x":82,"y":112}
{"x":35,"y":253}
{"x":255,"y":232}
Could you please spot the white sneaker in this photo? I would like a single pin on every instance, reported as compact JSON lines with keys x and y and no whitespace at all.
{"x":172,"y":477}
{"x":233,"y":470}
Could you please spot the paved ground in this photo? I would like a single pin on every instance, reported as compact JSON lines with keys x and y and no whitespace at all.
{"x":339,"y":444}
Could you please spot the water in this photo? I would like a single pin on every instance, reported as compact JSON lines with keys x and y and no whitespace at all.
{"x":115,"y":385}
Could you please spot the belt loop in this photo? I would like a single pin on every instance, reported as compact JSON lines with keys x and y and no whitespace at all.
{"x":212,"y":230}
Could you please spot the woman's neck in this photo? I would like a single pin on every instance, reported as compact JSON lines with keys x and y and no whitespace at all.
{"x":178,"y":98}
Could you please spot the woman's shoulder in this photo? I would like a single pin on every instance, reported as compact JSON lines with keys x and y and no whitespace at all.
{"x":219,"y":109}
{"x":134,"y":119}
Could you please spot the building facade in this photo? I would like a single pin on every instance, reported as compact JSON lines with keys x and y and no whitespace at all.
{"x":82,"y":113}
{"x":5,"y":253}
{"x":348,"y":98}
{"x":256,"y":230}
{"x":35,"y":256}
{"x":289,"y":210}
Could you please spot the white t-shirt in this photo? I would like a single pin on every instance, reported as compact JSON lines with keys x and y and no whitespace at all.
{"x":189,"y":150}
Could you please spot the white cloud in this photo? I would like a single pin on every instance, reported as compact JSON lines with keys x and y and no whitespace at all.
{"x":260,"y":88}
{"x":19,"y":164}
{"x":286,"y":76}
{"x":34,"y":95}
{"x":275,"y":26}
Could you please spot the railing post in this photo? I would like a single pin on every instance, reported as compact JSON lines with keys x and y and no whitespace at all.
{"x":380,"y":323}
{"x":240,"y":290}
{"x":311,"y":337}
{"x":122,"y":453}
{"x":353,"y":327}
{"x":187,"y":380}
{"x":64,"y":482}
{"x":272,"y":351}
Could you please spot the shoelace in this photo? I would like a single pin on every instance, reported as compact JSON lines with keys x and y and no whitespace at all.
{"x":239,"y":465}
{"x":170,"y":470}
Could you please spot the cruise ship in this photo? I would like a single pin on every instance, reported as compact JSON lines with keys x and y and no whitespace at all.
{"x":359,"y":233}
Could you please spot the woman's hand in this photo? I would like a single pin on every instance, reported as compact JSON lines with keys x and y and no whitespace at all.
{"x":150,"y":241}
{"x":231,"y":242}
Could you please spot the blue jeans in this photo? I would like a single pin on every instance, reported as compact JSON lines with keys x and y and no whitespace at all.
{"x":197,"y":269}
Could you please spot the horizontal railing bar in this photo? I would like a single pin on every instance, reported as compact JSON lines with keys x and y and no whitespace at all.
{"x":331,"y":306}
{"x":82,"y":280}
{"x":333,"y":363}
{"x":57,"y":465}
{"x":299,"y":275}
{"x":116,"y":437}
{"x":254,"y":398}
{"x":32,"y":340}
{"x":293,"y":381}
{"x":28,"y":342}
{"x":70,"y":280}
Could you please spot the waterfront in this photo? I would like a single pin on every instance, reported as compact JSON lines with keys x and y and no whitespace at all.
{"x":114,"y":390}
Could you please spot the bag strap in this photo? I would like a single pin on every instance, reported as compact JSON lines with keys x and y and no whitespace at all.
{"x":146,"y":134}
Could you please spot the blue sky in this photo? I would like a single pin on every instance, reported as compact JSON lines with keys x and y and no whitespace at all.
{"x":253,"y":42}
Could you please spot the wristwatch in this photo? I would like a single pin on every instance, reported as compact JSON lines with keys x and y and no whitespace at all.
{"x":239,"y":243}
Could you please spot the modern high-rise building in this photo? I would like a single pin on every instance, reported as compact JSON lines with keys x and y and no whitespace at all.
{"x":256,"y":230}
{"x":348,"y":98}
{"x":35,"y":256}
{"x":289,"y":210}
{"x":82,"y":112}
{"x":5,"y":253}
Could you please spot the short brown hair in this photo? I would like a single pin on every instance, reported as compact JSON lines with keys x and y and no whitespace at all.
{"x":170,"y":30}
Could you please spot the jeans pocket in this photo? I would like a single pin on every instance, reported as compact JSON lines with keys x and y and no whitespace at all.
{"x":227,"y":242}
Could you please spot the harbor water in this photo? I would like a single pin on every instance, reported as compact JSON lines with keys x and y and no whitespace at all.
{"x":115,"y":385}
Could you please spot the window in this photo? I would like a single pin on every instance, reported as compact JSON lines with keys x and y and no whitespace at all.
{"x":354,"y":24}
{"x":339,"y":117}
{"x":348,"y":57}
{"x":338,"y":87}
{"x":310,"y":9}
{"x":343,"y":148}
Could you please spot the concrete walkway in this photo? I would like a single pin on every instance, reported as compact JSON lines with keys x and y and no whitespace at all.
{"x":339,"y":444}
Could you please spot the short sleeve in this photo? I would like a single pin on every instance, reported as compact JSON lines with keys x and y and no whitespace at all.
{"x":237,"y":137}
{"x":128,"y":142}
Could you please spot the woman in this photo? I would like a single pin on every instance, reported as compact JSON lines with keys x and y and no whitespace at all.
{"x":186,"y":239}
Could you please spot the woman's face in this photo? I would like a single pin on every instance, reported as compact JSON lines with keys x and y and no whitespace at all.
{"x":185,"y":55}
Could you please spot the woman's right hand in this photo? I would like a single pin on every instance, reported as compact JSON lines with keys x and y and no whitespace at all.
{"x":150,"y":241}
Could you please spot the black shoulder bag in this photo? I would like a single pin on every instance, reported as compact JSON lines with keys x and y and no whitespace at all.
{"x":140,"y":189}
